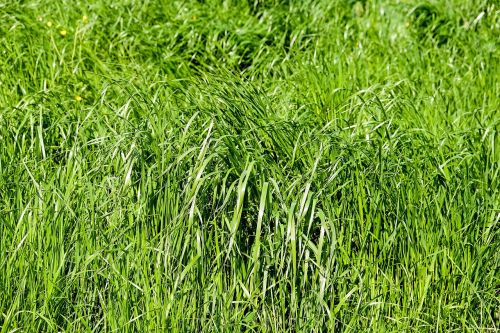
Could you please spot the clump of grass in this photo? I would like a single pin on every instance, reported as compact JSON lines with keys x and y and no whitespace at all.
{"x":249,"y":166}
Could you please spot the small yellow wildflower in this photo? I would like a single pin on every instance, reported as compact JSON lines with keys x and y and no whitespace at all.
{"x":358,"y":9}
{"x":78,"y":98}
{"x":194,"y":18}
{"x":85,"y":19}
{"x":63,"y":33}
{"x":49,"y":24}
{"x":39,"y":18}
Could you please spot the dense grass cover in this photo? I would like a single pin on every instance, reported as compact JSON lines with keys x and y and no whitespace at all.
{"x":247,"y":166}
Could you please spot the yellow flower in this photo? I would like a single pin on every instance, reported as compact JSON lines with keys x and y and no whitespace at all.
{"x":85,"y":19}
{"x":358,"y":8}
{"x":78,"y":98}
{"x":49,"y":24}
{"x":39,"y":18}
{"x":63,"y":33}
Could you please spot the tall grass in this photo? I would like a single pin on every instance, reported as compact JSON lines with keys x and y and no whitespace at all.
{"x":249,"y":166}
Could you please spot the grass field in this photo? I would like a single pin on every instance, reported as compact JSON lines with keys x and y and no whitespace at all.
{"x":249,"y":166}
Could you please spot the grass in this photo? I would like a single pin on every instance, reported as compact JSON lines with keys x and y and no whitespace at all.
{"x":276,"y":166}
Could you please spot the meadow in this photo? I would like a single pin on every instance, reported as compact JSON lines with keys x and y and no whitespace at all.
{"x":249,"y":166}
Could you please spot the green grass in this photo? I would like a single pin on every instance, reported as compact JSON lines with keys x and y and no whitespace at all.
{"x":248,"y":166}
